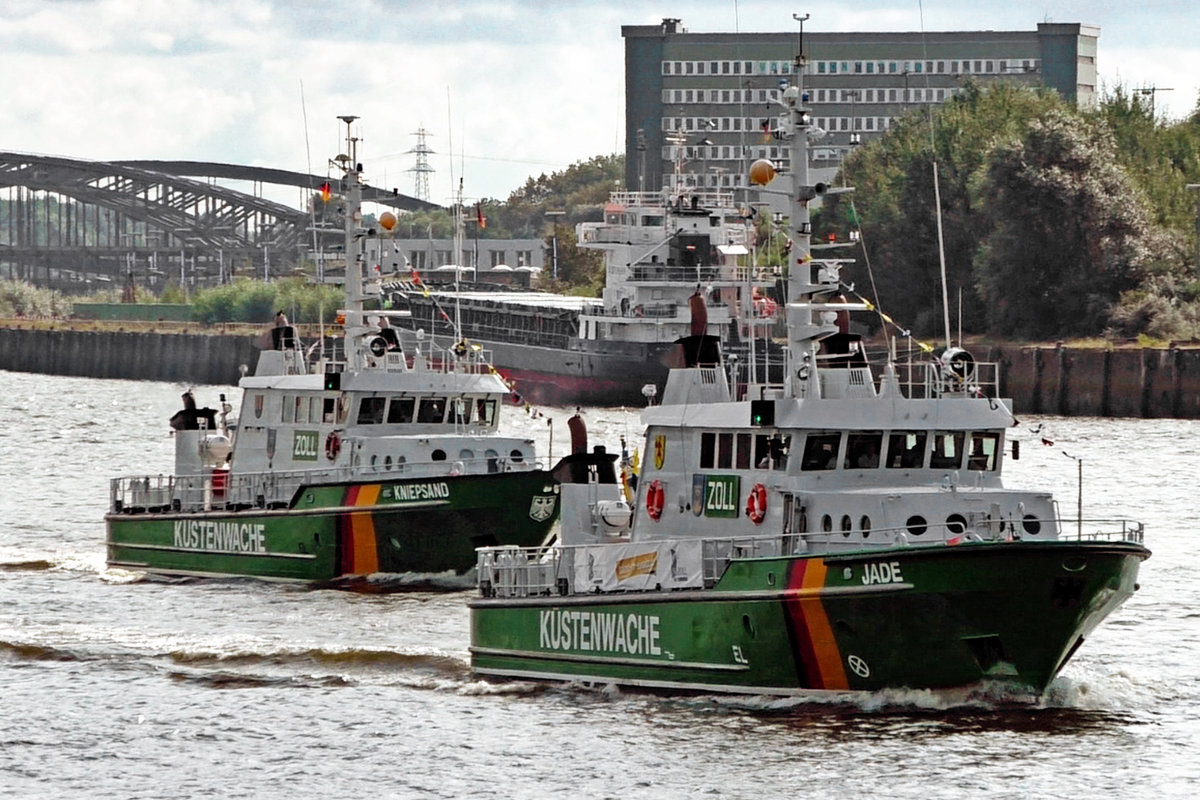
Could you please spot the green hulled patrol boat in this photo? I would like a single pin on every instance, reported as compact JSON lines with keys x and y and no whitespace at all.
{"x":381,"y":459}
{"x":848,"y":529}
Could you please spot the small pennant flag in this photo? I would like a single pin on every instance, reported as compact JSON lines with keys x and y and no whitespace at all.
{"x":479,"y":217}
{"x":326,"y":192}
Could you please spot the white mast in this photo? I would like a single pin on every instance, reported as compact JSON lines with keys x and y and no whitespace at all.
{"x":804,"y":316}
{"x":352,"y":192}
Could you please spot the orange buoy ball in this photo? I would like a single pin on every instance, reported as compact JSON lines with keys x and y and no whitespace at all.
{"x":387,"y":220}
{"x":762,"y":172}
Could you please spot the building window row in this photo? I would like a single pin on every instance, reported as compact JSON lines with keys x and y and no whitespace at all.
{"x":740,"y":96}
{"x":858,"y":122}
{"x":711,"y":124}
{"x":965,"y":66}
{"x":906,"y":95}
{"x":679,"y":96}
{"x":727,"y":68}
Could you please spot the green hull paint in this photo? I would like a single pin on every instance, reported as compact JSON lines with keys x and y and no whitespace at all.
{"x":331,"y":532}
{"x":936,"y":617}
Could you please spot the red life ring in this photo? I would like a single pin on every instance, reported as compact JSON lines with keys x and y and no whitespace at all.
{"x":756,"y":503}
{"x":333,"y":446}
{"x":655,"y":498}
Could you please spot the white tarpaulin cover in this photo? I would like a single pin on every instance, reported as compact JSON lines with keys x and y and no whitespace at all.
{"x":639,"y":567}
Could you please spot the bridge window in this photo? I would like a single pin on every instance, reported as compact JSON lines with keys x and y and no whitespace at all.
{"x":724,"y":451}
{"x":862,"y":450}
{"x":461,"y":411}
{"x":708,"y":450}
{"x":400,"y":410}
{"x":906,"y":450}
{"x":370,"y":410}
{"x":432,"y":409}
{"x":743,"y":451}
{"x":485,"y":412}
{"x":984,"y":448}
{"x":821,"y":451}
{"x":947,"y":450}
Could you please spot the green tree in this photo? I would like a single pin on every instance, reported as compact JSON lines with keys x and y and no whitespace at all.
{"x":895,"y":199}
{"x":580,"y":271}
{"x":1059,"y":251}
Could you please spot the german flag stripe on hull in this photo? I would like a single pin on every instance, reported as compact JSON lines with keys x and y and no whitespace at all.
{"x":356,"y":532}
{"x":818,"y":658}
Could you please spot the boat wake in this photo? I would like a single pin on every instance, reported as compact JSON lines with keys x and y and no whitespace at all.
{"x":320,"y":667}
{"x":222,"y":679}
{"x":389,"y":582}
{"x":352,"y":659}
{"x":1105,"y":693}
{"x":30,"y":565}
{"x":22,"y":651}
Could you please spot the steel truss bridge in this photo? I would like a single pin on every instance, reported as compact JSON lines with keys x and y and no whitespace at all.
{"x":80,"y":226}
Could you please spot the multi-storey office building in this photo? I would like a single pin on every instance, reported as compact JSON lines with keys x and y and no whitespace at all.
{"x":700,"y":106}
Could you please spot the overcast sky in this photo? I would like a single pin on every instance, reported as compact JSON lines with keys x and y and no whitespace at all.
{"x":513,"y":88}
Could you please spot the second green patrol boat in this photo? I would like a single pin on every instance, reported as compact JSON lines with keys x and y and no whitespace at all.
{"x":847,"y":529}
{"x":384,"y":460}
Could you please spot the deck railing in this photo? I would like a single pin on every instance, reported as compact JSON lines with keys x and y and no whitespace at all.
{"x":239,"y":491}
{"x":513,"y":572}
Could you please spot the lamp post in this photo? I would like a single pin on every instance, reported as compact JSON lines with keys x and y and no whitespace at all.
{"x":1079,"y":496}
{"x":704,"y":143}
{"x":554,"y":217}
{"x":641,"y":150}
{"x":676,"y":139}
{"x":1152,"y":91}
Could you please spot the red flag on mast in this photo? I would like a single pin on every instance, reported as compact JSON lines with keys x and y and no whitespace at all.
{"x":479,"y":217}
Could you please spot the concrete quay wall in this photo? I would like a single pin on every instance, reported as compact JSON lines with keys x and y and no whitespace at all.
{"x":183,"y":357}
{"x":1126,"y":382}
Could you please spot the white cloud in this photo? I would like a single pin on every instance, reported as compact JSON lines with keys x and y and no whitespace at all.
{"x":519,"y":87}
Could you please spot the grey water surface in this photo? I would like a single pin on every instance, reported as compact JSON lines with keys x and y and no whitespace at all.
{"x":114,"y":686}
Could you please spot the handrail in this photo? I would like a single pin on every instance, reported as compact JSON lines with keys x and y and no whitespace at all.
{"x":511,"y":571}
{"x":249,"y":490}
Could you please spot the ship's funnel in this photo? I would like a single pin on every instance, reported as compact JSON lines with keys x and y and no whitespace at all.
{"x":578,"y":433}
{"x":699,"y":310}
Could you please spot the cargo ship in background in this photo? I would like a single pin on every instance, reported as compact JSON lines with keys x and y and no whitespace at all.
{"x":661,"y":252}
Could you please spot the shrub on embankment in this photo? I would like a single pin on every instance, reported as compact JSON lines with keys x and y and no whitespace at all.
{"x":20,"y":299}
{"x":244,"y":300}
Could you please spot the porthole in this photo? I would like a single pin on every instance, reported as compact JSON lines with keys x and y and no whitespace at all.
{"x":864,"y":525}
{"x":916,"y":524}
{"x":956,"y":524}
{"x":374,"y":458}
{"x":438,"y":455}
{"x":847,"y":525}
{"x":387,"y":462}
{"x":1031,"y":524}
{"x":516,"y":456}
{"x":826,"y":523}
